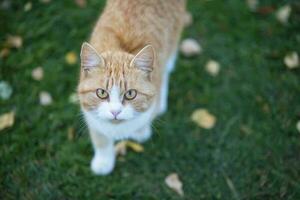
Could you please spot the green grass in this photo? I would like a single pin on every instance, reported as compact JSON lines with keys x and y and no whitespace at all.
{"x":254,"y":145}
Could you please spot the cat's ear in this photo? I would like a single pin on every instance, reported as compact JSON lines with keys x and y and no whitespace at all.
{"x":144,"y":59}
{"x":90,"y":57}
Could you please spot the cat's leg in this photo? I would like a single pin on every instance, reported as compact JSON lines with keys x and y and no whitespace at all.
{"x":143,"y":134}
{"x":165,"y":83}
{"x":103,"y":161}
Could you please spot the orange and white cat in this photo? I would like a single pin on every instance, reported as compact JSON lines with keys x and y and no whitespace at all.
{"x":125,"y":70}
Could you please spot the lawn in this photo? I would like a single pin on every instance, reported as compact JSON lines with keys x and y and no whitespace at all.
{"x":251,"y":153}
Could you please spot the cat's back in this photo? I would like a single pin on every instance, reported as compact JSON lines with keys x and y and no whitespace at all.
{"x":138,"y":22}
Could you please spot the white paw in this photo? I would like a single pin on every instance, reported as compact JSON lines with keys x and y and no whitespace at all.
{"x":144,"y":135}
{"x":103,"y":164}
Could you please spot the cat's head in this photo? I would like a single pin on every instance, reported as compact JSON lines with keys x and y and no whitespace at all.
{"x":116,"y":86}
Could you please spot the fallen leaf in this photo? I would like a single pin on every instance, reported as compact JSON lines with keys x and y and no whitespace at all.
{"x":14,"y":41}
{"x":4,"y":52}
{"x":37,"y":73}
{"x":45,"y":98}
{"x":7,"y":120}
{"x":122,"y":146}
{"x":174,"y":183}
{"x":5,"y":90}
{"x":71,"y":133}
{"x":212,"y":67}
{"x":71,"y":58}
{"x":81,"y":3}
{"x":283,"y":14}
{"x":135,"y":146}
{"x":291,"y":60}
{"x":190,"y":47}
{"x":252,"y":4}
{"x":27,"y":6}
{"x":298,"y":126}
{"x":188,"y":19}
{"x":203,"y":118}
{"x":73,"y":98}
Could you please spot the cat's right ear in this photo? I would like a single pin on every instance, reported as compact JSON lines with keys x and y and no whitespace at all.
{"x":89,"y":57}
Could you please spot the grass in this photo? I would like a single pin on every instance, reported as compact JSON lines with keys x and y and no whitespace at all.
{"x":251,"y":153}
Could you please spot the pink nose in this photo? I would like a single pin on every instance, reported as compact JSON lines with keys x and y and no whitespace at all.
{"x":115,"y":112}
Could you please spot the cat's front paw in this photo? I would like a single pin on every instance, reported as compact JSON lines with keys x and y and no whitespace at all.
{"x":102,"y":164}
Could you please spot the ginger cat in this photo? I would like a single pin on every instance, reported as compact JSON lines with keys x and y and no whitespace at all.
{"x":125,"y":70}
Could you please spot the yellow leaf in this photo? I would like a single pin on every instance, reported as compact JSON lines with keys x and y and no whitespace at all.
{"x":298,"y":126}
{"x":45,"y":98}
{"x":71,"y":58}
{"x":203,"y":118}
{"x":14,"y":41}
{"x":174,"y":183}
{"x":27,"y":6}
{"x":135,"y":146}
{"x":283,"y":14}
{"x":7,"y":120}
{"x":190,"y":47}
{"x":37,"y":73}
{"x":212,"y":67}
{"x":291,"y":60}
{"x":121,"y":147}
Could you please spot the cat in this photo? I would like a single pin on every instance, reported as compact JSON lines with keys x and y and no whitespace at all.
{"x":124,"y":72}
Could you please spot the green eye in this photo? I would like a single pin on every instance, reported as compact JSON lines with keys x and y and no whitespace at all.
{"x":102,"y":94}
{"x":130,"y":94}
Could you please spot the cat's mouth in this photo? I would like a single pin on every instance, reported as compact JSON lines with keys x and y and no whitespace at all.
{"x":116,"y":121}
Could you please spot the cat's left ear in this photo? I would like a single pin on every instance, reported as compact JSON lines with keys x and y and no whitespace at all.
{"x":90,"y":57}
{"x":144,"y":59}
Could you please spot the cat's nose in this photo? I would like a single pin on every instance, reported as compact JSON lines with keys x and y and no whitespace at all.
{"x":115,"y":112}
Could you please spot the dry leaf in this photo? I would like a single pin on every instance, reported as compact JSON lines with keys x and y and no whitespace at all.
{"x":188,"y":19}
{"x":81,"y":3}
{"x":174,"y":183}
{"x":121,"y":147}
{"x":298,"y":126}
{"x":4,"y":52}
{"x":5,"y":90}
{"x":71,"y":58}
{"x":14,"y":41}
{"x":252,"y":4}
{"x":212,"y":67}
{"x":291,"y":60}
{"x":265,"y":10}
{"x":283,"y":14}
{"x":71,"y":133}
{"x":203,"y":118}
{"x":73,"y":98}
{"x":27,"y":6}
{"x":135,"y":146}
{"x":190,"y":47}
{"x":37,"y":73}
{"x":45,"y":98}
{"x":7,"y":120}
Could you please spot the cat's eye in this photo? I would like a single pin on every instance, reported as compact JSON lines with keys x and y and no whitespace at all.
{"x":130,"y":94}
{"x":102,"y":94}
